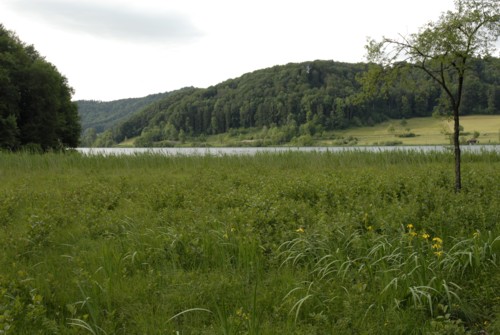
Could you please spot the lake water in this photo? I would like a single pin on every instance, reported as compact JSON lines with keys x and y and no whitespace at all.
{"x":253,"y":151}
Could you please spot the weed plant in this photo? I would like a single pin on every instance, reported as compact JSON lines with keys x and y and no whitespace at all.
{"x":287,"y":243}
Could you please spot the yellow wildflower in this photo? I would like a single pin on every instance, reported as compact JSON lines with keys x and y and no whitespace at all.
{"x":409,"y":226}
{"x":425,"y":236}
{"x":300,"y":230}
{"x":369,"y":228}
{"x":436,"y":246}
{"x":412,"y":234}
{"x":438,"y":253}
{"x":437,"y":240}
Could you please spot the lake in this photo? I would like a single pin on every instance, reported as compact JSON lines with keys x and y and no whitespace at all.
{"x":254,"y":150}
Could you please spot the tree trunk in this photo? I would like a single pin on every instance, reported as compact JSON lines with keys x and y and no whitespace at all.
{"x":456,"y":144}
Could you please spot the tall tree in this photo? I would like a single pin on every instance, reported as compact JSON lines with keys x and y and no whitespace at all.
{"x":35,"y":100}
{"x":443,"y":50}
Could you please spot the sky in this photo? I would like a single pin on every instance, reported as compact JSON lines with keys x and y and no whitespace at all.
{"x":115,"y":49}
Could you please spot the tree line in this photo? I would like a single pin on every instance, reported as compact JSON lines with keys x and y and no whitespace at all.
{"x":102,"y":115}
{"x":317,"y":95}
{"x":36,"y":111}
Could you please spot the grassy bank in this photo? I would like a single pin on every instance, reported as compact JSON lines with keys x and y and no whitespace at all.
{"x":428,"y":131}
{"x":415,"y":131}
{"x":292,"y":243}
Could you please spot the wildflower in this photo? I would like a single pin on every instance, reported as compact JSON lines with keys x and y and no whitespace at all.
{"x":369,"y":228}
{"x":412,"y":234}
{"x":300,"y":230}
{"x":438,"y":253}
{"x":409,"y":226}
{"x":437,"y":240}
{"x":436,"y":246}
{"x":425,"y":236}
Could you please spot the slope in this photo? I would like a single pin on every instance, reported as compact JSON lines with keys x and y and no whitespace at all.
{"x":103,"y":115}
{"x":301,"y":99}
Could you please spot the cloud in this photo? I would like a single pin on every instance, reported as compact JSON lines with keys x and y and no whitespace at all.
{"x":114,"y":22}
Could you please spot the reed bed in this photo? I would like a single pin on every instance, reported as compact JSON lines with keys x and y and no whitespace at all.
{"x":285,"y":243}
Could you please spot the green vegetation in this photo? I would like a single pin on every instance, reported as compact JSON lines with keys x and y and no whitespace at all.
{"x":443,"y":50}
{"x":300,"y":100}
{"x":292,"y":243}
{"x":422,"y":131}
{"x":97,"y":116}
{"x":36,"y":112}
{"x":427,"y":131}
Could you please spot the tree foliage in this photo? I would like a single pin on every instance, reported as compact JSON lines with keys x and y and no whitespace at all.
{"x":445,"y":51}
{"x":299,"y":99}
{"x":102,"y":115}
{"x":35,"y":100}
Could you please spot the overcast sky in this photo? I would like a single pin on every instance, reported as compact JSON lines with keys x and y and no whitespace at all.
{"x":113,"y":49}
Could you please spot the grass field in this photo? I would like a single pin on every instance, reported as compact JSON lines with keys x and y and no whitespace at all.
{"x":291,"y":243}
{"x":428,"y":130}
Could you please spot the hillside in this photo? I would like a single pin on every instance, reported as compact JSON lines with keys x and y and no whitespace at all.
{"x":103,"y":115}
{"x":300,"y":100}
{"x":422,"y":130}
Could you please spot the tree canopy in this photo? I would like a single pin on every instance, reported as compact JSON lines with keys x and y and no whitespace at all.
{"x":102,"y":115}
{"x":315,"y":95}
{"x":36,"y":111}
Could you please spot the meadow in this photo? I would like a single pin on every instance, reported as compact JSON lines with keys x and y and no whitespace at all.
{"x":289,"y":243}
{"x":413,"y":131}
{"x":428,"y":130}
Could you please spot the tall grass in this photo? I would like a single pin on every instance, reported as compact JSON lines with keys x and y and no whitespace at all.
{"x":295,"y":243}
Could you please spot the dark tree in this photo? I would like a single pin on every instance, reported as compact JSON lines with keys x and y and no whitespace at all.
{"x":35,"y":100}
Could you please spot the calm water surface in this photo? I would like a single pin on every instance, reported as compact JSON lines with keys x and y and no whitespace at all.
{"x":253,"y":151}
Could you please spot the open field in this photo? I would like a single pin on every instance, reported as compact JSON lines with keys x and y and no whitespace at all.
{"x":428,"y":130}
{"x":291,"y":243}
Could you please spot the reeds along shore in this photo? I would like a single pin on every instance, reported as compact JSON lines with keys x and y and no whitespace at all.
{"x":289,"y":243}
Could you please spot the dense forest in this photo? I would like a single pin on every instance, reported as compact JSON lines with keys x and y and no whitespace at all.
{"x":97,"y":116}
{"x":36,"y":112}
{"x":302,"y":98}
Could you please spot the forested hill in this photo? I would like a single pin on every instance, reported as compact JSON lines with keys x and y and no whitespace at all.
{"x":313,"y":95}
{"x":98,"y":116}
